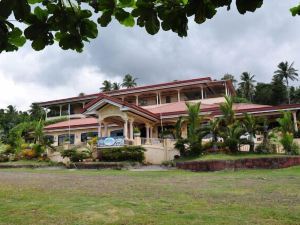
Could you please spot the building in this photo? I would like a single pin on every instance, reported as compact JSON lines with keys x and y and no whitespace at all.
{"x":150,"y":108}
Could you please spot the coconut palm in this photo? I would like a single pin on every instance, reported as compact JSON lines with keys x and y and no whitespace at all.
{"x":106,"y":86}
{"x":247,"y":86}
{"x":194,"y":121}
{"x":178,"y":128}
{"x":250,"y":126}
{"x":231,"y":135}
{"x":287,"y":72}
{"x":213,"y":127}
{"x":116,"y":86}
{"x":129,"y":81}
{"x":227,"y":111}
{"x":228,"y":76}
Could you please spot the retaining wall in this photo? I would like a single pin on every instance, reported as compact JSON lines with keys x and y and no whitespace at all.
{"x":248,"y":163}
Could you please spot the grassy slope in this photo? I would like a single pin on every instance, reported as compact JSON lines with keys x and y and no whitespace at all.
{"x":172,"y":197}
{"x":229,"y":157}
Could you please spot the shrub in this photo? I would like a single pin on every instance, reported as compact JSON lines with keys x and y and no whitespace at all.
{"x":39,"y":149}
{"x":295,"y":149}
{"x":181,"y":146}
{"x":265,"y":148}
{"x":287,"y":142}
{"x":29,"y":153}
{"x":75,"y":154}
{"x":126,"y":153}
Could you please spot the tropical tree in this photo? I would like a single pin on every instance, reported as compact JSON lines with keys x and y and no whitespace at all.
{"x":228,"y":76}
{"x":279,"y":91}
{"x":106,"y":86}
{"x":287,"y":138}
{"x":194,"y":122}
{"x":250,"y":126}
{"x":116,"y":86}
{"x":226,"y":108}
{"x":129,"y":81}
{"x":36,"y":112}
{"x":287,"y":72}
{"x":231,"y":135}
{"x":247,"y":85}
{"x":72,"y":23}
{"x":213,"y":127}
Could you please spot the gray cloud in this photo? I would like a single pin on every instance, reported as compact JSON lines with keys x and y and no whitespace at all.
{"x":230,"y":42}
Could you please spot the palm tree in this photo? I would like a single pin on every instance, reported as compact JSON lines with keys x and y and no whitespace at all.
{"x":214,"y":129}
{"x":250,"y":125}
{"x":106,"y":86}
{"x":116,"y":86}
{"x":287,"y":72}
{"x":227,"y":111}
{"x":194,"y":121}
{"x":178,"y":128}
{"x":231,"y":135}
{"x":247,"y":86}
{"x":228,"y":76}
{"x":129,"y":81}
{"x":36,"y":112}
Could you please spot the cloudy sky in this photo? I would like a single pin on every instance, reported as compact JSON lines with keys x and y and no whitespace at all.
{"x":229,"y":43}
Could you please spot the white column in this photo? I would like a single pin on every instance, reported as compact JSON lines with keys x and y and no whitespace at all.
{"x":99,"y":129}
{"x":137,"y":100}
{"x":202,"y":93}
{"x":151,"y":132}
{"x":178,"y":95}
{"x":131,"y":129}
{"x":295,"y":120}
{"x":60,"y":108}
{"x":46,"y":110}
{"x":226,"y":91}
{"x":105,"y":129}
{"x":157,"y":99}
{"x":147,"y":134}
{"x":125,"y":131}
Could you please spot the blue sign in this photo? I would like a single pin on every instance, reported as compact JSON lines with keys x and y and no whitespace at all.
{"x":110,"y":141}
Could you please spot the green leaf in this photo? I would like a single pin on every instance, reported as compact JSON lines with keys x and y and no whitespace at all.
{"x":126,"y":3}
{"x":129,"y":21}
{"x":105,"y":18}
{"x":295,"y":10}
{"x":152,"y":25}
{"x":15,"y":37}
{"x":246,"y":5}
{"x":38,"y":44}
{"x":34,"y":1}
{"x":40,"y":13}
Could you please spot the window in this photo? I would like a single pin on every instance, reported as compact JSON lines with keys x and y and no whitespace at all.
{"x":84,"y":136}
{"x":168,"y":99}
{"x":64,"y":137}
{"x":49,"y":138}
{"x":143,"y":102}
{"x":116,"y":133}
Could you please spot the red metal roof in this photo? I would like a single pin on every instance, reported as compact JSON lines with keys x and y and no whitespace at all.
{"x":73,"y":123}
{"x":171,"y":109}
{"x":120,"y":102}
{"x":91,"y":96}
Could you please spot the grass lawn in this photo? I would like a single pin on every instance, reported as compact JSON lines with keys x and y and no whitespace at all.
{"x":221,"y":156}
{"x":40,"y":196}
{"x":28,"y":162}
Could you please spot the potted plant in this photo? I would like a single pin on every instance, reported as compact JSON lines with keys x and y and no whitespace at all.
{"x":136,"y":132}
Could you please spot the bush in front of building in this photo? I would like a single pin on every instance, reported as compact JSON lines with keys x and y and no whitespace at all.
{"x":126,"y":153}
{"x":76,"y":154}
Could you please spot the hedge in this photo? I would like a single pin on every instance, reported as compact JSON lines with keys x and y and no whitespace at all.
{"x":126,"y":153}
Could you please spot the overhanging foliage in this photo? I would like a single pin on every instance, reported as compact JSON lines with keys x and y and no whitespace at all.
{"x":73,"y":22}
